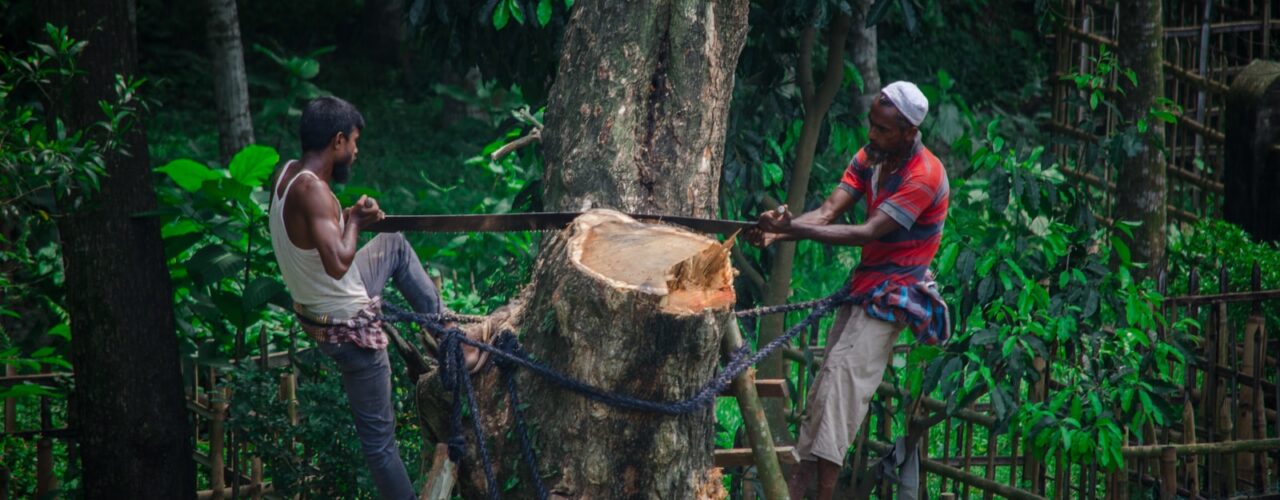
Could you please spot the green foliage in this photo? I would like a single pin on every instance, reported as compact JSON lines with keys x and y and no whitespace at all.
{"x":1035,"y":277}
{"x":333,"y":465}
{"x":219,"y":255}
{"x":47,"y":171}
{"x":282,"y":108}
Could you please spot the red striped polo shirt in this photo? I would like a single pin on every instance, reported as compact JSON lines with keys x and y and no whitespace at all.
{"x":916,"y":196}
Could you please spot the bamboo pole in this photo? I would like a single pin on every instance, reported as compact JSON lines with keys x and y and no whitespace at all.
{"x":217,"y":480}
{"x":255,"y":484}
{"x":1168,"y":473}
{"x":968,"y":456}
{"x":46,"y":482}
{"x":1210,"y":449}
{"x":754,"y":421}
{"x":443,"y":475}
{"x":992,"y":442}
{"x":886,"y":487}
{"x":1259,"y":371}
{"x":946,"y":451}
{"x":10,"y":404}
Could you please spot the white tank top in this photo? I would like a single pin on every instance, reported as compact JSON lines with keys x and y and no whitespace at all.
{"x":304,"y":275}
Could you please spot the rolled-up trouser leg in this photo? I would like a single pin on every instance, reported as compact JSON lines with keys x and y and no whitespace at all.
{"x":390,"y":256}
{"x":858,"y":349}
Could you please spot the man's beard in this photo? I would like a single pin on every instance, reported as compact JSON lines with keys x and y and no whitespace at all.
{"x":342,"y":172}
{"x":877,"y":155}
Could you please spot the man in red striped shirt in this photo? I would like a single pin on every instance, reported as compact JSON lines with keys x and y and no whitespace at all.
{"x":906,"y":190}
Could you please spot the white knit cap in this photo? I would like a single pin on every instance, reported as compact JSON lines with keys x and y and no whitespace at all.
{"x":906,"y":96}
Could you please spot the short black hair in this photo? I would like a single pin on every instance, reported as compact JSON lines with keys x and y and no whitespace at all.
{"x":325,"y":117}
{"x":903,"y":123}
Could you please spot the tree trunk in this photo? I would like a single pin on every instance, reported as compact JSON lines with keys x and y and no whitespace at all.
{"x":863,"y":50}
{"x":1143,"y":175}
{"x":638,"y":112}
{"x":636,"y":121}
{"x":129,"y":412}
{"x":230,"y":87}
{"x":817,"y":101}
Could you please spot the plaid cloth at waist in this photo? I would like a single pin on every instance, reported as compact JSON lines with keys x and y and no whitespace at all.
{"x":364,"y":329}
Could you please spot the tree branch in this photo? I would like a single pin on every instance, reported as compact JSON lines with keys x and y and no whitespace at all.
{"x":804,"y":73}
{"x":831,"y":81}
{"x":533,"y":136}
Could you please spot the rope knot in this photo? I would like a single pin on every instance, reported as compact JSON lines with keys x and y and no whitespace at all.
{"x":507,"y":342}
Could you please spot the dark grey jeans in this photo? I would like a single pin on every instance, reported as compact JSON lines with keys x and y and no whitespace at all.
{"x":366,"y":373}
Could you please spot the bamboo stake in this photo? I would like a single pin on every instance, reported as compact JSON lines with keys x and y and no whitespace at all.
{"x":46,"y":482}
{"x":10,"y":405}
{"x":1191,"y":472}
{"x":443,"y":475}
{"x":968,"y":456}
{"x":754,"y":421}
{"x":886,"y":487}
{"x":946,"y":451}
{"x":1168,"y":473}
{"x":217,"y":481}
{"x":992,"y":442}
{"x":1259,"y":367}
{"x":256,"y":483}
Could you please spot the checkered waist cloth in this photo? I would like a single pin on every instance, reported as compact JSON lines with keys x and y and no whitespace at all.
{"x":363,"y":329}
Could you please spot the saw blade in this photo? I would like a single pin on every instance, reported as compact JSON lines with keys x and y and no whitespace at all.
{"x":535,"y":221}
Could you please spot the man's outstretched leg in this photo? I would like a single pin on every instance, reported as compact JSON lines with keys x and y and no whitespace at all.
{"x":390,"y":256}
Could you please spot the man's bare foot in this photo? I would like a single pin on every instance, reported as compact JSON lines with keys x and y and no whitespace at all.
{"x":475,"y":358}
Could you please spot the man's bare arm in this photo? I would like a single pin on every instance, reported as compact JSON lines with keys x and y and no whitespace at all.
{"x":878,"y":225}
{"x":336,"y":242}
{"x":837,"y":203}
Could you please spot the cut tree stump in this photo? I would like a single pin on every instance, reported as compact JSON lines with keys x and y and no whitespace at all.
{"x":626,"y":306}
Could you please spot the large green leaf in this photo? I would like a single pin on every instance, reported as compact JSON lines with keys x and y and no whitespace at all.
{"x":188,"y":174}
{"x":213,"y":263}
{"x":253,"y":164}
{"x":260,"y":291}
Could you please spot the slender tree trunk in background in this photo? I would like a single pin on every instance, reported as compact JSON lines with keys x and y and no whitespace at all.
{"x":636,"y":122}
{"x":129,"y":412}
{"x":863,"y":51}
{"x":817,"y":101}
{"x":230,"y":87}
{"x":1143,"y":176}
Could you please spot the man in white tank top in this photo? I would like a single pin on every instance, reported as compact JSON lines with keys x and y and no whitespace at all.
{"x":334,"y":283}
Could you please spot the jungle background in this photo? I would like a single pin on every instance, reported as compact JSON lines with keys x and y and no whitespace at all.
{"x":1051,"y":271}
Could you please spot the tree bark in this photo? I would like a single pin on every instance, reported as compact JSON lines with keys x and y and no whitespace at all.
{"x":638,"y":112}
{"x":129,"y":413}
{"x":230,"y":87}
{"x":817,"y":101}
{"x":636,"y":121}
{"x":1143,"y":175}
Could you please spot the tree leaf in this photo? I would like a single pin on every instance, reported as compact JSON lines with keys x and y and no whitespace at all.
{"x":213,"y":263}
{"x":501,"y":15}
{"x":260,"y":291}
{"x":188,"y":174}
{"x":253,"y":164}
{"x":544,"y":12}
{"x":517,"y":12}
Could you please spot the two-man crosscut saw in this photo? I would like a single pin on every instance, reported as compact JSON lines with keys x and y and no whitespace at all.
{"x":536,"y":221}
